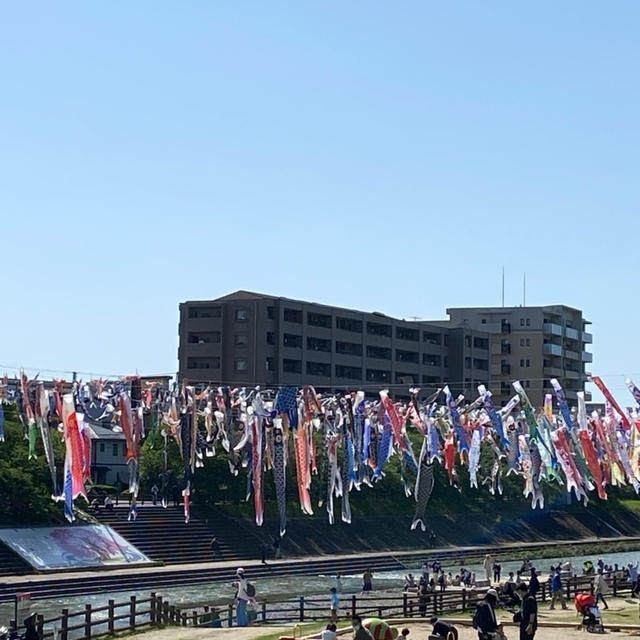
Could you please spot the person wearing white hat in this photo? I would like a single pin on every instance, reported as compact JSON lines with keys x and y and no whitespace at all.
{"x":484,"y":619}
{"x":242,"y":598}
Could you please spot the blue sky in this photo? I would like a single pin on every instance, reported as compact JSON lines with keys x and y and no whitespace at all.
{"x":382,"y":156}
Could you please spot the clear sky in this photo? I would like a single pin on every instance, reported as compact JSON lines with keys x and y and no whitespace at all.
{"x":378,"y":155}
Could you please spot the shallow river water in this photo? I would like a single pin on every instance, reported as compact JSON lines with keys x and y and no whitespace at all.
{"x":282,"y":588}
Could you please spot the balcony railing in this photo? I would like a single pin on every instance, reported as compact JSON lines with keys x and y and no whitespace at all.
{"x":571,"y":333}
{"x":552,"y":328}
{"x":550,"y":349}
{"x":587,"y":357}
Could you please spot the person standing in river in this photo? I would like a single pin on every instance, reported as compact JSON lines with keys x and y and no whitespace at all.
{"x":367,"y":580}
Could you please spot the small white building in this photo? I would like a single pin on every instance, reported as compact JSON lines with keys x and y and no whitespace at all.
{"x":108,"y":455}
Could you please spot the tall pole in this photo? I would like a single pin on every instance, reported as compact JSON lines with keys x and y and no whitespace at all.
{"x":524,"y":289}
{"x":503,"y":285}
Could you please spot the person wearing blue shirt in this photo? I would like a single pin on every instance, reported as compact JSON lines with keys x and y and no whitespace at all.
{"x":335,"y":604}
{"x":557,"y":592}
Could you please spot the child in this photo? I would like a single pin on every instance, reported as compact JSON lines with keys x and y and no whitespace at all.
{"x":404,"y":634}
{"x":329,"y":633}
{"x":335,"y":604}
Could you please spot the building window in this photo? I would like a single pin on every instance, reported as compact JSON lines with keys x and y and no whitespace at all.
{"x":467,"y":363}
{"x":376,"y":329}
{"x":102,"y":447}
{"x":203,"y":337}
{"x":505,"y":346}
{"x":115,"y":450}
{"x":349,"y":348}
{"x":271,"y":313}
{"x":522,"y":322}
{"x":431,"y":359}
{"x":406,"y":378}
{"x":402,"y":333}
{"x":446,"y":340}
{"x":430,"y":337}
{"x":293,"y":315}
{"x":467,"y":341}
{"x":445,"y":361}
{"x":292,"y":366}
{"x":528,"y":342}
{"x":204,"y":312}
{"x":481,"y":343}
{"x":319,"y":320}
{"x":378,"y":375}
{"x":481,"y":363}
{"x":379,"y":353}
{"x":525,"y":363}
{"x":270,"y":364}
{"x":522,"y":342}
{"x":407,"y":356}
{"x":483,"y":321}
{"x":349,"y":324}
{"x":271,"y":339}
{"x":505,"y":367}
{"x":528,"y":322}
{"x":292,"y":340}
{"x":241,"y":339}
{"x":241,"y":364}
{"x":318,"y":369}
{"x":431,"y":379}
{"x":318,"y":344}
{"x":351,"y":373}
{"x":203,"y":363}
{"x":241,"y":315}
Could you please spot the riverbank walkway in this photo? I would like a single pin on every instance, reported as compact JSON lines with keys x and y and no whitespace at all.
{"x":621,"y":621}
{"x":61,"y":583}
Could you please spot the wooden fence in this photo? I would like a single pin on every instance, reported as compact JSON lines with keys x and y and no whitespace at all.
{"x":135,"y":613}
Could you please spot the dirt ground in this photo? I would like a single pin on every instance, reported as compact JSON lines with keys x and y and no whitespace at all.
{"x":621,"y":612}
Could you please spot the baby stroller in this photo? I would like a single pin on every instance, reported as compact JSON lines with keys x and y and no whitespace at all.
{"x":587,"y":606}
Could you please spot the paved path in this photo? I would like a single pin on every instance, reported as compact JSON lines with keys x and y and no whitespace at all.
{"x":61,"y":576}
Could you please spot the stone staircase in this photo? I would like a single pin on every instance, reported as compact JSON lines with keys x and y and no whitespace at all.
{"x":11,"y":564}
{"x":161,"y":534}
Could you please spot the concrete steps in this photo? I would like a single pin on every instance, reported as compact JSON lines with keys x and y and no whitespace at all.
{"x":11,"y":564}
{"x":161,"y":534}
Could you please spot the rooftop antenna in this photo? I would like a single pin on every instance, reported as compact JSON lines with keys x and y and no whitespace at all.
{"x":503,"y":285}
{"x":524,"y":289}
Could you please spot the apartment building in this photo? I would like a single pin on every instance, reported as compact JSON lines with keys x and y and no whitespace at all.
{"x":532,"y":344}
{"x":249,"y":338}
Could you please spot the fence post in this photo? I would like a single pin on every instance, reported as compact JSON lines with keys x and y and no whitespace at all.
{"x":87,"y":620}
{"x":110,"y":616}
{"x":230,"y":615}
{"x":64,"y":624}
{"x":194,"y":616}
{"x":264,"y":612}
{"x":132,"y":613}
{"x":40,"y":626}
{"x":464,"y":599}
{"x":158,"y":610}
{"x":404,"y":604}
{"x":165,"y":612}
{"x":152,"y":609}
{"x":353,"y":606}
{"x":301,"y":608}
{"x":615,"y":586}
{"x":184,"y":620}
{"x":569,"y":589}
